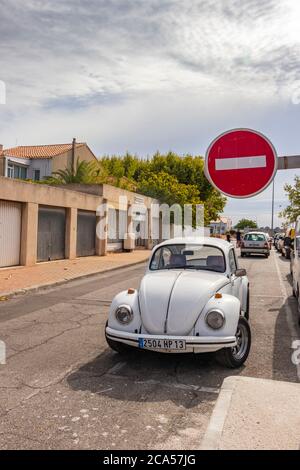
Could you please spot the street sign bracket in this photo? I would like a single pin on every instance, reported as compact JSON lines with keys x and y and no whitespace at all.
{"x":288,"y":162}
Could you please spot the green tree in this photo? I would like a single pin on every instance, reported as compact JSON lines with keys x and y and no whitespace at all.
{"x":245,"y":223}
{"x":188,"y":182}
{"x":293,"y":209}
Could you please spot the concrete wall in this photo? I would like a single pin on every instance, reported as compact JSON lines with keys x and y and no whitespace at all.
{"x":32,"y":195}
{"x":22,"y":191}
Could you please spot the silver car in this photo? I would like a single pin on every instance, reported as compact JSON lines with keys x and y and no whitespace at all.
{"x":255,"y":243}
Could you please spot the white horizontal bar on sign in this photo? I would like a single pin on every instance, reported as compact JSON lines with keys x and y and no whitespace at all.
{"x":241,"y":163}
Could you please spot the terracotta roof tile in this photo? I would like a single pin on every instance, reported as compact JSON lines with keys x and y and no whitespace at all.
{"x":38,"y":151}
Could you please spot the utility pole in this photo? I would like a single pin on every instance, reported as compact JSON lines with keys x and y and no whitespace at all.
{"x":73,"y":155}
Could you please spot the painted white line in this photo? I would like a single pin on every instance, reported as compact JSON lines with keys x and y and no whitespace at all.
{"x":213,"y":434}
{"x":289,"y":314}
{"x":268,"y":296}
{"x":241,"y":163}
{"x":180,"y":386}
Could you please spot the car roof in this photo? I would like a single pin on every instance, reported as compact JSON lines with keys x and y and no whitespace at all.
{"x":256,"y":233}
{"x":217,"y":242}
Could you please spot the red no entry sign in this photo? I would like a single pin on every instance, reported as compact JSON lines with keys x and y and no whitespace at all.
{"x":241,"y":163}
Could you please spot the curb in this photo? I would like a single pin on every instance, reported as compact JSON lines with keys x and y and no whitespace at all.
{"x":36,"y":288}
{"x":213,"y":434}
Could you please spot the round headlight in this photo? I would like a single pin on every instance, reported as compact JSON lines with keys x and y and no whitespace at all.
{"x":215,"y":319}
{"x":124,"y":314}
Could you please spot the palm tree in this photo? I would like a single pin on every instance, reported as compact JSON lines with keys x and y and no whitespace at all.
{"x":84,"y":173}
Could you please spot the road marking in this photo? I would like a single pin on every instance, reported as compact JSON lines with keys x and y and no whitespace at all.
{"x":241,"y":163}
{"x":268,"y":296}
{"x":289,"y":314}
{"x":181,"y":386}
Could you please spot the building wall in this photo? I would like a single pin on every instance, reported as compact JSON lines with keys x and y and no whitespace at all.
{"x":42,"y":164}
{"x":22,"y":191}
{"x":65,"y":160}
{"x":2,"y":166}
{"x":31,"y":196}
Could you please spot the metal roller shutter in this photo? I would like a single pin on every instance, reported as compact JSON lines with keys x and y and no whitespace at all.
{"x":86,"y":233}
{"x":51,"y":233}
{"x":10,"y":233}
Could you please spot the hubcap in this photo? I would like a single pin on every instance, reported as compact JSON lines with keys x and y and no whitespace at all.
{"x":242,"y":340}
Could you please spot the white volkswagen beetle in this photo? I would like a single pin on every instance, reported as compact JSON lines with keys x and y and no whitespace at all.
{"x":193,"y":298}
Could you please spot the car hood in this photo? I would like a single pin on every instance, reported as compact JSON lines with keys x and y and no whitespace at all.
{"x":171,"y":301}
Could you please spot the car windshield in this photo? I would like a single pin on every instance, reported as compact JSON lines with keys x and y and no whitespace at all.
{"x":181,"y":256}
{"x":255,"y":237}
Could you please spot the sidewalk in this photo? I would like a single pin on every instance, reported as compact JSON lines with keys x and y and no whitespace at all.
{"x":255,"y":414}
{"x":22,"y":278}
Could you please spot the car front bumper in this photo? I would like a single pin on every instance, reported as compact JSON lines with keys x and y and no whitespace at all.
{"x":194,"y":344}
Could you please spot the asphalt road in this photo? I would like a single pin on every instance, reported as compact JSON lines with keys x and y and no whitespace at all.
{"x":63,"y":388}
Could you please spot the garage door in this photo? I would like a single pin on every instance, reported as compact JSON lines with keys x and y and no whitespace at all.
{"x":117,"y":224}
{"x":86,"y":233}
{"x":51,"y":233}
{"x":10,"y":233}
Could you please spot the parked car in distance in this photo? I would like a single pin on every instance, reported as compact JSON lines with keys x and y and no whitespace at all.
{"x":278,"y":236}
{"x":255,"y":243}
{"x":193,"y":298}
{"x":295,"y":265}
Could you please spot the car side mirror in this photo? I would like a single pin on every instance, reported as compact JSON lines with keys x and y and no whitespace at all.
{"x":240,"y":272}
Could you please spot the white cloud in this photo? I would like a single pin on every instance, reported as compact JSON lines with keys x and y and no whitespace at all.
{"x":52,"y":50}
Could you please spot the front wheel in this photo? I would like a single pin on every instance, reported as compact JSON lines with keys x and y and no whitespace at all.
{"x":236,"y":356}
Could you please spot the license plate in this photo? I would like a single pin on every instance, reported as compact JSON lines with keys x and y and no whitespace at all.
{"x":177,"y":344}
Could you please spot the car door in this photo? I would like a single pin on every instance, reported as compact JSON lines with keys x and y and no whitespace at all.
{"x":296,"y":264}
{"x":236,"y":282}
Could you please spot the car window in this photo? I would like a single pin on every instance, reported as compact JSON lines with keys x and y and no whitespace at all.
{"x":232,"y":262}
{"x":189,"y":256}
{"x":255,"y":237}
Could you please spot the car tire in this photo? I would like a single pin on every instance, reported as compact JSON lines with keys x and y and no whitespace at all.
{"x":267,"y":256}
{"x":242,"y":255}
{"x":236,"y":356}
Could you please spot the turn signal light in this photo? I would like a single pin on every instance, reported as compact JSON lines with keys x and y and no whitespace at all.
{"x":131,"y":291}
{"x":218,"y":295}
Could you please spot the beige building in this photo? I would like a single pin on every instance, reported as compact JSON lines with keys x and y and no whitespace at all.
{"x":221,"y":226}
{"x":45,"y":223}
{"x":40,"y":161}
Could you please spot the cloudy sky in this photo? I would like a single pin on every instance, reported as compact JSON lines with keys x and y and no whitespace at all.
{"x":147,"y":75}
